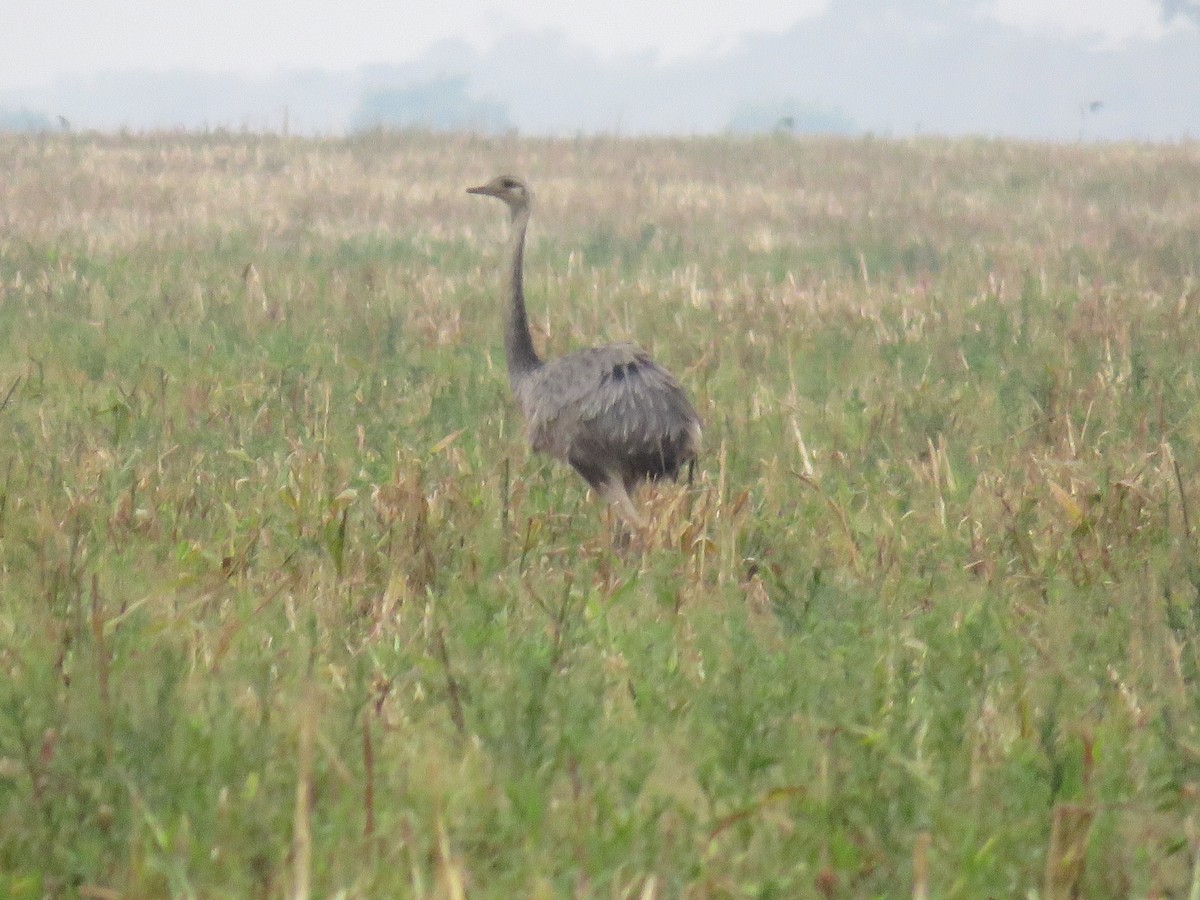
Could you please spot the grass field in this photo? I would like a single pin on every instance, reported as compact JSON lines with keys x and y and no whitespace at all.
{"x":287,"y":607}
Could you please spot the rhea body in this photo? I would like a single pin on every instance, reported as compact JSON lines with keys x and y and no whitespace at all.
{"x":611,"y":412}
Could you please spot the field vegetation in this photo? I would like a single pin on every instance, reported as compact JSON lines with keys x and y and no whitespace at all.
{"x":287,"y":607}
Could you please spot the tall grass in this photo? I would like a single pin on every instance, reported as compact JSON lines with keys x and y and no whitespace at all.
{"x":288,"y":608}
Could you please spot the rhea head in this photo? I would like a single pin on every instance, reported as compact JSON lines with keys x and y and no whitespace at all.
{"x":507,"y":188}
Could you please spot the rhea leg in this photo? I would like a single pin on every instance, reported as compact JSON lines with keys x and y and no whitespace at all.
{"x":615,"y":493}
{"x":612,"y":488}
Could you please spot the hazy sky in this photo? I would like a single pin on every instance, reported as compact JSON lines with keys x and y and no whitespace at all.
{"x":254,"y":37}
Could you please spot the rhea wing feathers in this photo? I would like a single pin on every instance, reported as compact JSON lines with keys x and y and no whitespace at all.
{"x":612,"y":406}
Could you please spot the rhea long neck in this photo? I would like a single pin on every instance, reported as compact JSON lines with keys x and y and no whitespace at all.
{"x":518,"y":343}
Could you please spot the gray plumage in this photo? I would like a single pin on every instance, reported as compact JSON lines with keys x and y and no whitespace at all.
{"x":611,"y":412}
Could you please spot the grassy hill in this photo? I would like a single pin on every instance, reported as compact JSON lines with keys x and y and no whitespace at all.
{"x":287,"y":607}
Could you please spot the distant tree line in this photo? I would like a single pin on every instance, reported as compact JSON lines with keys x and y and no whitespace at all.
{"x":438,"y":105}
{"x":789,"y":116}
{"x":24,"y":120}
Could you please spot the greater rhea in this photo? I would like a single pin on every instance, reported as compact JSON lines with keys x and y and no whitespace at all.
{"x":613,"y":413}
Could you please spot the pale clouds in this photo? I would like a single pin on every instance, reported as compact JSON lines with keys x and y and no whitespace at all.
{"x":258,"y":37}
{"x":1108,"y":22}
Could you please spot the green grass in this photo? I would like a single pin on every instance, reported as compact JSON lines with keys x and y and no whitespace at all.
{"x":269,"y":528}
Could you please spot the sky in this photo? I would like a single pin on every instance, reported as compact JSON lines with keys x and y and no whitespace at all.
{"x":52,"y":38}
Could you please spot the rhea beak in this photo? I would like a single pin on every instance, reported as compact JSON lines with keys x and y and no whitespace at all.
{"x":482,"y":189}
